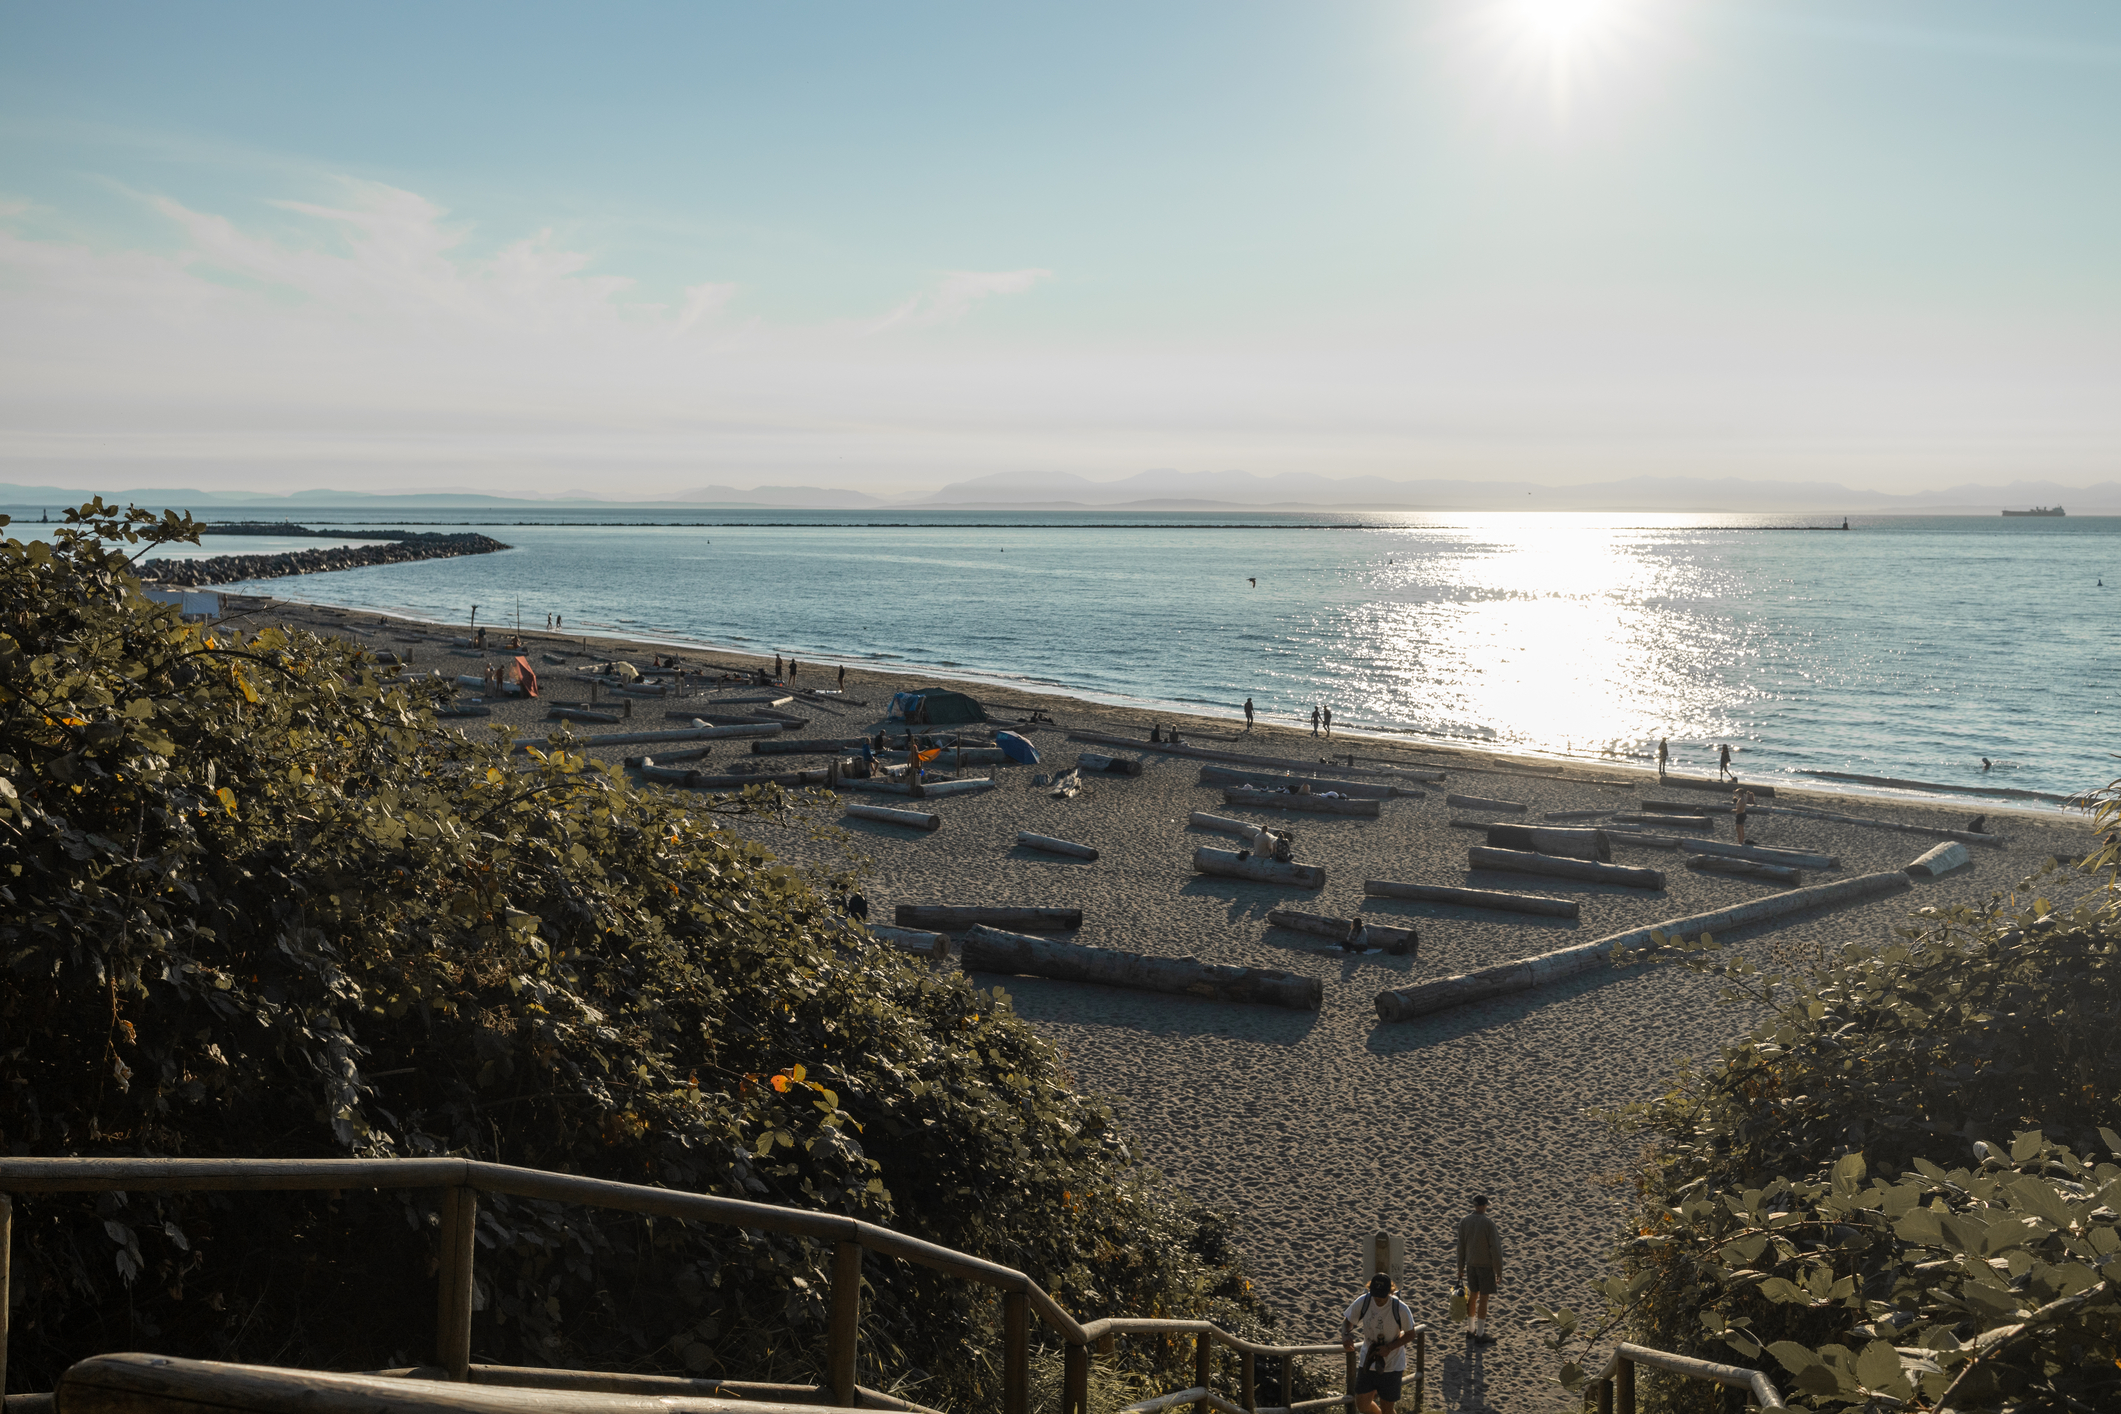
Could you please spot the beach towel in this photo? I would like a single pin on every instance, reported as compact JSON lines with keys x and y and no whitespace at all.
{"x":526,"y":677}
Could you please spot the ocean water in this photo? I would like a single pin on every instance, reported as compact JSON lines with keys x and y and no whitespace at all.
{"x":1908,"y":648}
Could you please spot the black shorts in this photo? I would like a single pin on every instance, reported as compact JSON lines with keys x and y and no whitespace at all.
{"x":1383,"y":1383}
{"x":1480,"y":1280}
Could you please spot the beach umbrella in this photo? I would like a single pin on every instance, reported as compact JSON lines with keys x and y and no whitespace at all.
{"x":1016,"y":748}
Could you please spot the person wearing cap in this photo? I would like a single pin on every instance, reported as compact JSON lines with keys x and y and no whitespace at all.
{"x":1479,"y":1267}
{"x":1384,"y":1324}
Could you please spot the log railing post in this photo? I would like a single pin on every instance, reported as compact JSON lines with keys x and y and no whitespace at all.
{"x":1106,"y":1344}
{"x":843,"y":1340}
{"x":1203,"y":1368}
{"x":1421,"y":1366}
{"x":1248,"y":1380}
{"x":1624,"y":1393}
{"x":1016,"y":1353}
{"x":460,"y":1226}
{"x":1075,"y":1380}
{"x":1605,"y":1397}
{"x":1348,"y":1384}
{"x":7,"y":1248}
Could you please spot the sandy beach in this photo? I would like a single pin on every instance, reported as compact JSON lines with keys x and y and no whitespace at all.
{"x":1318,"y":1128}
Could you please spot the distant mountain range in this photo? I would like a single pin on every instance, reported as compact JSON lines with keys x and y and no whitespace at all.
{"x":1181,"y":491}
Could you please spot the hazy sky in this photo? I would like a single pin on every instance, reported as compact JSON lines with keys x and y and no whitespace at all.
{"x":635,"y":249}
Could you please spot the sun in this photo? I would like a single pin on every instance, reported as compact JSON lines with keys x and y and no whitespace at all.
{"x":1563,"y":24}
{"x":1564,"y":46}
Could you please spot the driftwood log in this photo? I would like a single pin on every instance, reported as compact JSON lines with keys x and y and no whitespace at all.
{"x":1549,"y":839}
{"x":1747,"y":868}
{"x":1706,"y":783}
{"x":1111,"y":765}
{"x":1361,"y":790}
{"x":1766,"y":854}
{"x":1934,"y":831}
{"x":1942,"y":860}
{"x":1481,"y":802}
{"x":1405,"y":1003}
{"x":1474,"y":898}
{"x":912,"y":940}
{"x":1576,"y":815}
{"x":1682,"y":807}
{"x":808,"y":746}
{"x":1343,"y":930}
{"x":1669,"y":822}
{"x":991,"y":950}
{"x":1054,"y":846}
{"x":1279,"y":763}
{"x":674,"y":734}
{"x":884,"y":814}
{"x":666,"y":758}
{"x":1258,"y":868}
{"x":1306,"y":804}
{"x":956,"y":918}
{"x":1225,"y":823}
{"x":881,"y":785}
{"x":701,"y":780}
{"x":934,"y":790}
{"x":1519,"y":861}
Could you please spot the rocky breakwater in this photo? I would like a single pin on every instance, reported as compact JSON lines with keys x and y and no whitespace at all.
{"x":402,"y":547}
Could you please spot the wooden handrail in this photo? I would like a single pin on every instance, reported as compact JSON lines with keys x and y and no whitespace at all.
{"x":464,"y":1179}
{"x":1615,"y":1385}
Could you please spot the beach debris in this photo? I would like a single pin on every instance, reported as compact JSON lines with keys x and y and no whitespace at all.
{"x":1935,"y":831}
{"x":1282,"y":763}
{"x":1481,"y":802}
{"x":882,"y":785}
{"x":1576,"y":814}
{"x":970,"y":786}
{"x":1749,"y":868}
{"x":1068,"y":784}
{"x":1353,"y":934}
{"x":1054,"y":846}
{"x":677,"y":776}
{"x":1669,"y":822}
{"x":956,"y":918}
{"x":1519,"y":861}
{"x":807,"y":746}
{"x":1942,"y":860}
{"x":992,"y":950}
{"x":1267,"y":780}
{"x":1244,"y":864}
{"x":465,"y":709}
{"x":576,"y":714}
{"x":912,"y":940}
{"x":913,"y":819}
{"x":1766,"y":854}
{"x":1110,"y":765}
{"x":693,"y":755}
{"x":1684,"y":807}
{"x":1551,"y":839}
{"x":1309,"y":804}
{"x":1473,"y":898}
{"x":1422,"y":998}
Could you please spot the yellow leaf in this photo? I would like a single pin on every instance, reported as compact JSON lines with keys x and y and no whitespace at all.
{"x":227,"y":798}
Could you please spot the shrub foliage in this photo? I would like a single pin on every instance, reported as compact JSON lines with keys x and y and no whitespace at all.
{"x":257,"y":903}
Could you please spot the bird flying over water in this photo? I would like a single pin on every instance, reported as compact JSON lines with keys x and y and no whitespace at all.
{"x":1254,"y":582}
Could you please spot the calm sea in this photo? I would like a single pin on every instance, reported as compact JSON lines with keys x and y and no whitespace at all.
{"x":1903,"y":648}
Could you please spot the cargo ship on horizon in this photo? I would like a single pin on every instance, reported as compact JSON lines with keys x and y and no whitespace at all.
{"x":2038,"y":511}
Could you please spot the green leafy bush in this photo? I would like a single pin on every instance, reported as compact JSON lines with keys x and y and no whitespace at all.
{"x":1814,"y":1204}
{"x":256,"y":903}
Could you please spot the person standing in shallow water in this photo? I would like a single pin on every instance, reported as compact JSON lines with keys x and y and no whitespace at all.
{"x":1723,"y":759}
{"x":1479,"y":1267}
{"x":1664,"y":755}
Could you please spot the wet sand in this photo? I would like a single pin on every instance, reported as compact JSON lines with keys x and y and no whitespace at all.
{"x":1318,"y":1128}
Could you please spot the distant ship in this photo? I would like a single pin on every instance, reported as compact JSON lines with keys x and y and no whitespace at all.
{"x":2039,"y":511}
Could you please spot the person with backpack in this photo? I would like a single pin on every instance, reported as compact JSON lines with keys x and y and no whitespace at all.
{"x":1384,"y":1325}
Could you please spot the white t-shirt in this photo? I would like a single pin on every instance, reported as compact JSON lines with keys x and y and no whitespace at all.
{"x":1379,"y":1321}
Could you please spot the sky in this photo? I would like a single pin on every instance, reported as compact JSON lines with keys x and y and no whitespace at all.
{"x":629,"y":251}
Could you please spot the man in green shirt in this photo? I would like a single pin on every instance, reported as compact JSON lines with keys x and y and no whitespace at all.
{"x":1479,"y":1267}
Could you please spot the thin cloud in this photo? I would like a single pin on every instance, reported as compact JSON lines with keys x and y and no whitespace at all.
{"x":955,"y":294}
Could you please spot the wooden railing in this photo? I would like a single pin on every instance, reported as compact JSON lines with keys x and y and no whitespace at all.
{"x":461,"y":1181}
{"x":1615,"y":1386}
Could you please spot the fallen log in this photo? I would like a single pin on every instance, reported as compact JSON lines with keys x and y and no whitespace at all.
{"x":1683,"y":807}
{"x":698,"y":780}
{"x":571,"y":714}
{"x":1224,"y":823}
{"x":644,"y":738}
{"x":1706,"y":783}
{"x":697,"y":716}
{"x":1111,"y":765}
{"x":1360,"y":931}
{"x":1479,"y":802}
{"x":1405,"y":1003}
{"x":1519,"y":861}
{"x":1307,"y":804}
{"x":1258,"y":868}
{"x":991,"y":950}
{"x":1284,"y":763}
{"x":1942,"y":860}
{"x":912,"y":940}
{"x":1629,"y":837}
{"x":882,"y":785}
{"x":884,"y":814}
{"x":1360,"y":790}
{"x":1766,"y":854}
{"x":1548,"y":839}
{"x":956,"y":918}
{"x":1935,"y":831}
{"x":1054,"y":846}
{"x":810,"y":746}
{"x":1670,"y":822}
{"x":1749,"y":868}
{"x":769,"y":699}
{"x":666,"y":759}
{"x":933,"y":790}
{"x":1474,"y":898}
{"x":1576,"y":815}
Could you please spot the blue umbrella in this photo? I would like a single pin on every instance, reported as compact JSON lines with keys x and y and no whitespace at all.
{"x":1016,"y":748}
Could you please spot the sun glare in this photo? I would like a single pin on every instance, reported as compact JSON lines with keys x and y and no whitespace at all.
{"x":1563,"y":47}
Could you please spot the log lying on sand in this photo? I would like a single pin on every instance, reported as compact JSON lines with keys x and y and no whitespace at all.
{"x":956,"y":918}
{"x":991,"y":950}
{"x":1760,"y":792}
{"x":1748,"y":868}
{"x":1942,"y":860}
{"x":1111,"y":765}
{"x":1766,"y":854}
{"x":1629,"y":837}
{"x":1405,"y":1003}
{"x":668,"y":758}
{"x":677,"y":734}
{"x":1279,"y":763}
{"x":696,"y":716}
{"x":1668,"y":822}
{"x":1224,"y":823}
{"x":1359,"y":790}
{"x":1397,"y":941}
{"x":1935,"y":831}
{"x":1576,"y":815}
{"x":1518,"y":861}
{"x":1308,"y":804}
{"x":700,"y":780}
{"x":1054,"y":846}
{"x":575,"y":714}
{"x":1481,"y":802}
{"x":1683,"y":807}
{"x":1474,"y":898}
{"x":810,"y":746}
{"x":1258,"y":868}
{"x":935,"y":789}
{"x":1547,"y":839}
{"x":912,"y":940}
{"x":884,"y":814}
{"x":882,"y":785}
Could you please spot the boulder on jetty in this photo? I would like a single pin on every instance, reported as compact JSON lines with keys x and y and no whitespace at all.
{"x":403,"y":547}
{"x":991,"y":950}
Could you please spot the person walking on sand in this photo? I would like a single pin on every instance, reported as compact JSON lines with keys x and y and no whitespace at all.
{"x":1479,"y":1267}
{"x":1741,"y":801}
{"x":776,"y":666}
{"x":1329,"y":721}
{"x":1664,"y":755}
{"x":1248,"y":714}
{"x":1723,"y":759}
{"x":1314,"y":721}
{"x":1384,"y":1325}
{"x":843,"y":677}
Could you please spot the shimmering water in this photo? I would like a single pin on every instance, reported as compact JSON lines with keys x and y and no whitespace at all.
{"x":1904,"y":647}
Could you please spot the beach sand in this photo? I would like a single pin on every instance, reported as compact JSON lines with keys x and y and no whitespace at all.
{"x":1320,"y":1128}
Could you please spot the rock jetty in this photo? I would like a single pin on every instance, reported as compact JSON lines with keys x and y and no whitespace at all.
{"x":403,"y":546}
